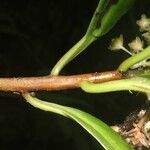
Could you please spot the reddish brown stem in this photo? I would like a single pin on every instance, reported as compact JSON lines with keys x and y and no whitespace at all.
{"x":55,"y":82}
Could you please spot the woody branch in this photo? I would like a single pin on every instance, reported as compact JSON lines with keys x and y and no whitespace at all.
{"x":27,"y":84}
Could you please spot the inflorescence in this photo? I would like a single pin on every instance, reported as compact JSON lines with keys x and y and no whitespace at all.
{"x":136,"y":45}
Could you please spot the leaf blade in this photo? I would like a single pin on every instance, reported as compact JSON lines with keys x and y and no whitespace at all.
{"x":111,"y":17}
{"x":109,"y":139}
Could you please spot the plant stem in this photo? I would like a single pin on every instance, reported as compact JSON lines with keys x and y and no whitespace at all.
{"x":145,"y":54}
{"x":46,"y":106}
{"x":72,"y":53}
{"x":124,"y":49}
{"x":27,"y":84}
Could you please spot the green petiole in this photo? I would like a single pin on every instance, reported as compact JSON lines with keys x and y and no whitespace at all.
{"x":136,"y":84}
{"x":145,"y":54}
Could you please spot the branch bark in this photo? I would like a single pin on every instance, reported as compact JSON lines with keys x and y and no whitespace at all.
{"x":27,"y":84}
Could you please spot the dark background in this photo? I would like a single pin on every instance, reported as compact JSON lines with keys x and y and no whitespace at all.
{"x":34,"y":34}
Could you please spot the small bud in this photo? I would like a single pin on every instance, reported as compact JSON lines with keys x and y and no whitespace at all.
{"x":144,"y":63}
{"x":148,"y":96}
{"x":144,"y":23}
{"x":117,"y":43}
{"x":146,"y":37}
{"x":138,"y":65}
{"x":136,"y":45}
{"x":141,"y":113}
{"x":147,"y":127}
{"x":128,"y":140}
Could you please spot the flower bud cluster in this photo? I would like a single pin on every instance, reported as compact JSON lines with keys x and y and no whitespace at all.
{"x":136,"y":45}
{"x":144,"y":25}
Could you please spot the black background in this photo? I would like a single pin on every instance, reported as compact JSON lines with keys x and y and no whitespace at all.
{"x":34,"y":34}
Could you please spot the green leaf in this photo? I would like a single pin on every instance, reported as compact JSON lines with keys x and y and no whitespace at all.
{"x":112,"y":15}
{"x":109,"y":139}
{"x":104,"y":18}
{"x":97,"y":16}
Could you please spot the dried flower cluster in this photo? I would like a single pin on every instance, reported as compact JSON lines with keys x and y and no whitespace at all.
{"x":136,"y":45}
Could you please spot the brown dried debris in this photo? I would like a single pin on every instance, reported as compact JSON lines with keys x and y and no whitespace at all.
{"x":136,"y":128}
